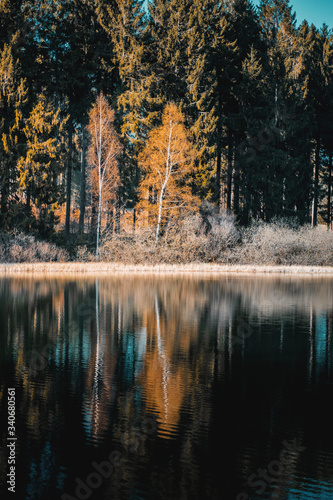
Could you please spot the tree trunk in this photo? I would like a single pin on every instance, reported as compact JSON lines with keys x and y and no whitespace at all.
{"x":329,"y":194}
{"x":4,"y":198}
{"x":83,"y":183}
{"x":236,"y":188}
{"x":69,"y":177}
{"x":218,"y":175}
{"x":314,"y":218}
{"x":150,"y":202}
{"x":99,"y":218}
{"x":276,"y":106}
{"x":94,"y":210}
{"x":52,"y":215}
{"x":110,"y":220}
{"x":229,"y":172}
{"x":4,"y":182}
{"x":160,"y":213}
{"x":117,"y":216}
{"x":28,"y":207}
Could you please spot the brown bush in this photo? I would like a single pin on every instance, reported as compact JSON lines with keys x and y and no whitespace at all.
{"x":278,"y":244}
{"x":198,"y":238}
{"x":183,"y":240}
{"x":19,"y":247}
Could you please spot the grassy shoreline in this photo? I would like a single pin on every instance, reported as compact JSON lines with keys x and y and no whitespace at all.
{"x":112,"y":268}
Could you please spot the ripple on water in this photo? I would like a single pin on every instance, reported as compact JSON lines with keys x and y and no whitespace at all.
{"x":310,"y":489}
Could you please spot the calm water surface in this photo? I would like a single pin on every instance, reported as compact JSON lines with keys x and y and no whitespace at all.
{"x":178,"y":387}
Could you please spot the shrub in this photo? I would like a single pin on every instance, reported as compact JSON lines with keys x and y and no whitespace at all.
{"x":222,"y":237}
{"x":203,"y":237}
{"x":20,"y":247}
{"x":284,"y":244}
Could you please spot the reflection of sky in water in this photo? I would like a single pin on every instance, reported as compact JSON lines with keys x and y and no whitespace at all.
{"x":321,"y":338}
{"x":40,"y":473}
{"x":311,"y":490}
{"x":133,"y":348}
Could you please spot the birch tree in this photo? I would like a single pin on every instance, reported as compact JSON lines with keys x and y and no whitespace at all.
{"x":167,"y":162}
{"x":103,"y":152}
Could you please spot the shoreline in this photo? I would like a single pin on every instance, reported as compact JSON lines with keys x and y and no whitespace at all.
{"x":118,"y":268}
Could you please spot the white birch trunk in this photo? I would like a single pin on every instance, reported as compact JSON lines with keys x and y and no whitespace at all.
{"x":99,"y":155}
{"x":99,"y":219}
{"x":160,"y":213}
{"x":168,"y":169}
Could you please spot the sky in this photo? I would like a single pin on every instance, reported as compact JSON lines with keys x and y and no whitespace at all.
{"x":317,"y":12}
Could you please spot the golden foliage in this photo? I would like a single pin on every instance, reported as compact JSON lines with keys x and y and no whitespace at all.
{"x":167,"y":163}
{"x":103,"y":153}
{"x":104,"y":149}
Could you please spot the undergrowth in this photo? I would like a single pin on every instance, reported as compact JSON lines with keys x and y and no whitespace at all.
{"x":207,"y":237}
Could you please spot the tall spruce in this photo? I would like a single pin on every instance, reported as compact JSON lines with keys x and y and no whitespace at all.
{"x":124,"y":22}
{"x":12,"y":23}
{"x":212,"y":75}
{"x":280,"y":156}
{"x":243,"y":31}
{"x":42,"y":164}
{"x":315,"y":80}
{"x":67,"y":50}
{"x":13,"y":100}
{"x":327,"y":126}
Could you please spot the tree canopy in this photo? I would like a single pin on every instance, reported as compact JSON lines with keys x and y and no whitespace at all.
{"x":251,"y":88}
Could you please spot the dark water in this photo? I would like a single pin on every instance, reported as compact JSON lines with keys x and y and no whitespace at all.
{"x":168,"y":388}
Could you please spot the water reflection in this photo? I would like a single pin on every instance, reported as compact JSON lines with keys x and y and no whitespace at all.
{"x":225,"y":366}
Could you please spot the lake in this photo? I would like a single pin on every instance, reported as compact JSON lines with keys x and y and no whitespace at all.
{"x":138,"y":387}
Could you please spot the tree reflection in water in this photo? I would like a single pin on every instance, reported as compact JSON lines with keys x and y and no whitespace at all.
{"x":227,"y":366}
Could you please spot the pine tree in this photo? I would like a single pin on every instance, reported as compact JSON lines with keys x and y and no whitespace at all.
{"x":252,"y":105}
{"x":13,"y":99}
{"x":315,"y":77}
{"x":212,"y":75}
{"x":43,"y":163}
{"x":124,"y":22}
{"x":243,"y":28}
{"x":275,"y":160}
{"x":11,"y":21}
{"x":328,"y":126}
{"x":168,"y":31}
{"x":66,"y":49}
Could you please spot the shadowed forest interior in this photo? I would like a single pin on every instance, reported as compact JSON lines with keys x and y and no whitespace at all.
{"x":204,"y":102}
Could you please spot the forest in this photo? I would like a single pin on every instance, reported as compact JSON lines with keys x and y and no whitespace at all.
{"x":123,"y":119}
